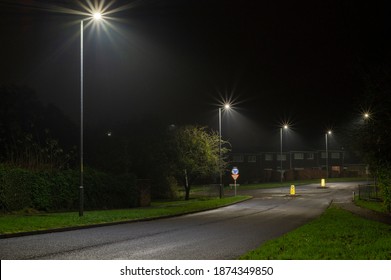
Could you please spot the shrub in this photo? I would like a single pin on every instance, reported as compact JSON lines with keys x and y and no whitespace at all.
{"x":14,"y":189}
{"x":59,"y":190}
{"x":384,"y":181}
{"x":64,"y":189}
{"x":104,"y":191}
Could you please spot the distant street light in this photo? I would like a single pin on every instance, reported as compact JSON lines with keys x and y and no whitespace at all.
{"x":367,"y":116}
{"x":327,"y":153}
{"x":284,"y":127}
{"x":226,"y":107}
{"x":95,"y":16}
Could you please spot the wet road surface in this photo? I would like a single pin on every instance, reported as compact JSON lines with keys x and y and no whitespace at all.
{"x":224,"y":233}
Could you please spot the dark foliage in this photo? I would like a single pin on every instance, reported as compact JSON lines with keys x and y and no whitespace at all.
{"x":58,"y":190}
{"x":32,"y":135}
{"x":371,"y":135}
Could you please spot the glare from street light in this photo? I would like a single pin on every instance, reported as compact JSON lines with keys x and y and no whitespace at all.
{"x":285,"y":124}
{"x":227,"y":106}
{"x":366,"y":113}
{"x":97,"y":16}
{"x":329,"y":132}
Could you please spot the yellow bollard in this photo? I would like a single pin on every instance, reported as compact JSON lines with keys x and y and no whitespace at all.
{"x":293,"y":191}
{"x":323,"y":183}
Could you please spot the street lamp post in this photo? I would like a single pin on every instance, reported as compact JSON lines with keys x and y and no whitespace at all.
{"x":285,"y":127}
{"x":96,"y":16}
{"x":327,"y":153}
{"x":81,"y":188}
{"x":227,"y":107}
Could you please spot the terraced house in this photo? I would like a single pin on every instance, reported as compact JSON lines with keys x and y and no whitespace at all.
{"x":268,"y":166}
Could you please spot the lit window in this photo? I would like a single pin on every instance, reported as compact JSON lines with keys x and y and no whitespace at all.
{"x":298,"y":156}
{"x":336,"y":168}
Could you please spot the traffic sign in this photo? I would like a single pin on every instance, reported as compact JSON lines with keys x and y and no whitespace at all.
{"x":235,"y":170}
{"x":235,"y":175}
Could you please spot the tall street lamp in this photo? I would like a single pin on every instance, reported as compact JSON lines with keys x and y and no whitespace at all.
{"x":95,"y":16}
{"x":226,"y":107}
{"x":284,"y":127}
{"x":327,"y":153}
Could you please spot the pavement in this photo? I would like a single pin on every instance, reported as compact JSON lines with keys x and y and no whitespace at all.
{"x":365,"y":213}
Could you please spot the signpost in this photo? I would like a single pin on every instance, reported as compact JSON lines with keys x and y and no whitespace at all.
{"x":235,"y":176}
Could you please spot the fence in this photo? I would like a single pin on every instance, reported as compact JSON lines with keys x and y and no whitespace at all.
{"x":368,"y":192}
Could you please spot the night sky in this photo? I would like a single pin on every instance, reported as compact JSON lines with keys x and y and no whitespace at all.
{"x":176,"y":60}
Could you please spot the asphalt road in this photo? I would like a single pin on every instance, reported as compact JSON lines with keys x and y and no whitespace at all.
{"x":224,"y":233}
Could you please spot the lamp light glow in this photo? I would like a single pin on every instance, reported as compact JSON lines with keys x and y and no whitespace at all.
{"x":97,"y":16}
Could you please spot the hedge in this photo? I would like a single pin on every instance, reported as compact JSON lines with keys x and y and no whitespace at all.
{"x":59,"y":190}
{"x":383,"y":173}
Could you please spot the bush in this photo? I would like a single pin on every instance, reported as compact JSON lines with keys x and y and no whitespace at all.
{"x":14,"y":189}
{"x":384,"y":182}
{"x":59,"y":190}
{"x":104,"y":191}
{"x":64,"y":189}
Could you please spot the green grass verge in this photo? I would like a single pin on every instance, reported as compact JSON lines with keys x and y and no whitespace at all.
{"x":23,"y":223}
{"x":336,"y":235}
{"x":377,"y":206}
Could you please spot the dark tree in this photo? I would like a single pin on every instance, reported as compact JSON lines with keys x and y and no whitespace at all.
{"x":372,"y":136}
{"x":26,"y":126}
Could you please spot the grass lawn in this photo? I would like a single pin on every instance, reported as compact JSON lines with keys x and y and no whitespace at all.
{"x":336,"y":235}
{"x":15,"y":223}
{"x":377,"y":206}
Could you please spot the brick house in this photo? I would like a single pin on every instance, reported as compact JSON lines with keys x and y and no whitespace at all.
{"x":266,"y":166}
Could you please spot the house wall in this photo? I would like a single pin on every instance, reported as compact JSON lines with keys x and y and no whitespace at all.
{"x":296,"y":165}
